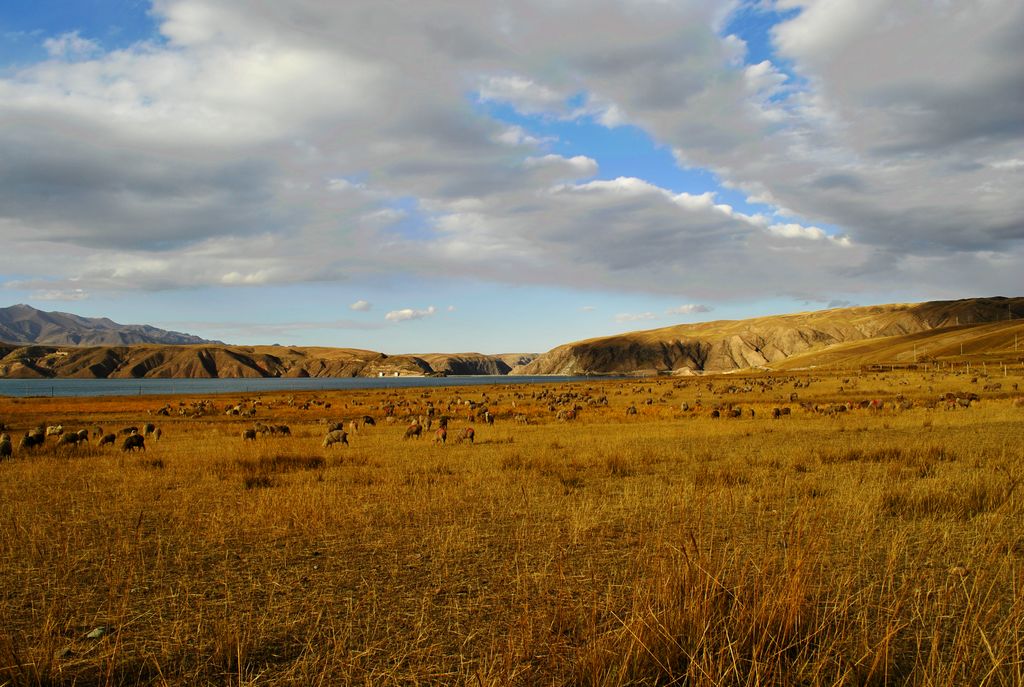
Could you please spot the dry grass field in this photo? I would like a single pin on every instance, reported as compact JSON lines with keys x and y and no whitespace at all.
{"x":655,"y":547}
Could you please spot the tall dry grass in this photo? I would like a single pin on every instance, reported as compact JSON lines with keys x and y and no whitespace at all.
{"x":864,"y":548}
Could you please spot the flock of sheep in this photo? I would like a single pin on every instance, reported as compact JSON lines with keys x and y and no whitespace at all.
{"x":132,"y":440}
{"x":426,"y":416}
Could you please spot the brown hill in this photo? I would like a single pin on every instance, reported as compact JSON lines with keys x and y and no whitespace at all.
{"x":726,"y":345}
{"x":26,"y":325}
{"x":206,"y":361}
{"x":979,"y":343}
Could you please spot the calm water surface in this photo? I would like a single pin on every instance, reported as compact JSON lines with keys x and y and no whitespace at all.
{"x":143,"y":387}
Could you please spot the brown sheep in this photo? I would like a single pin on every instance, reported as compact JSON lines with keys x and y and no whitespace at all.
{"x":468,"y":434}
{"x":31,"y":440}
{"x":134,"y":442}
{"x":335,"y":437}
{"x":441,"y":436}
{"x":108,"y":439}
{"x":6,"y":451}
{"x":249,"y":435}
{"x":69,"y":439}
{"x":414,"y":431}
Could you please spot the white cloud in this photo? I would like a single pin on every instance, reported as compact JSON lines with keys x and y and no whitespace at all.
{"x":794,"y":231}
{"x":688,"y":309}
{"x":70,"y":45}
{"x":635,"y":317}
{"x":361,"y":306}
{"x":525,"y":95}
{"x":60,"y":295}
{"x":409,"y":314}
{"x":588,"y":308}
{"x":1014,"y":165}
{"x":228,"y":152}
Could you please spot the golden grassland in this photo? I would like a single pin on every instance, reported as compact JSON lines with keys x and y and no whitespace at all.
{"x":867,"y":547}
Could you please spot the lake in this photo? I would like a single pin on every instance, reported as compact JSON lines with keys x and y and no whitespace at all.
{"x":163,"y":387}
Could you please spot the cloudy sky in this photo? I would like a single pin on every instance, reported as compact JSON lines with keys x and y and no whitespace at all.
{"x":503,"y":176}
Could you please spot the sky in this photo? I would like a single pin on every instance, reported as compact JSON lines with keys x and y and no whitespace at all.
{"x":504,"y":176}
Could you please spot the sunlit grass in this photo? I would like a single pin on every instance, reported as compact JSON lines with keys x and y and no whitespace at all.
{"x":665,"y":547}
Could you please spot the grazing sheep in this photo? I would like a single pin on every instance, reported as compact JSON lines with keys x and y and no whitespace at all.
{"x":336,"y":427}
{"x":128,"y":430}
{"x":441,"y":436}
{"x":6,"y":451}
{"x":31,"y":440}
{"x":283,"y":430}
{"x":149,"y":428}
{"x":249,"y":435}
{"x":413,"y":431}
{"x":108,"y":439}
{"x":83,"y":435}
{"x":776,"y":413}
{"x":54,"y":430}
{"x":69,"y":439}
{"x":631,"y":410}
{"x":134,"y":442}
{"x":157,"y":433}
{"x":468,"y":434}
{"x":367,"y":420}
{"x":715,"y":414}
{"x":335,"y":437}
{"x":97,"y":432}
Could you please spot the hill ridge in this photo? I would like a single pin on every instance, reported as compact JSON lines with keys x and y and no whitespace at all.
{"x":222,"y":361}
{"x":23,"y":324}
{"x":727,"y":345}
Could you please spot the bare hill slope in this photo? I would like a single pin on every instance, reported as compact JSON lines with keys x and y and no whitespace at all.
{"x":212,"y":361}
{"x":727,"y":345}
{"x":993,"y":341}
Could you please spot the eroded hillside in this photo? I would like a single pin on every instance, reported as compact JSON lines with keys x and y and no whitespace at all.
{"x":726,"y":345}
{"x":26,"y":362}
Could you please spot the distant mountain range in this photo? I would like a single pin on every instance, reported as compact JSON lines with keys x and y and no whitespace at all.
{"x":63,"y":345}
{"x":26,"y":325}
